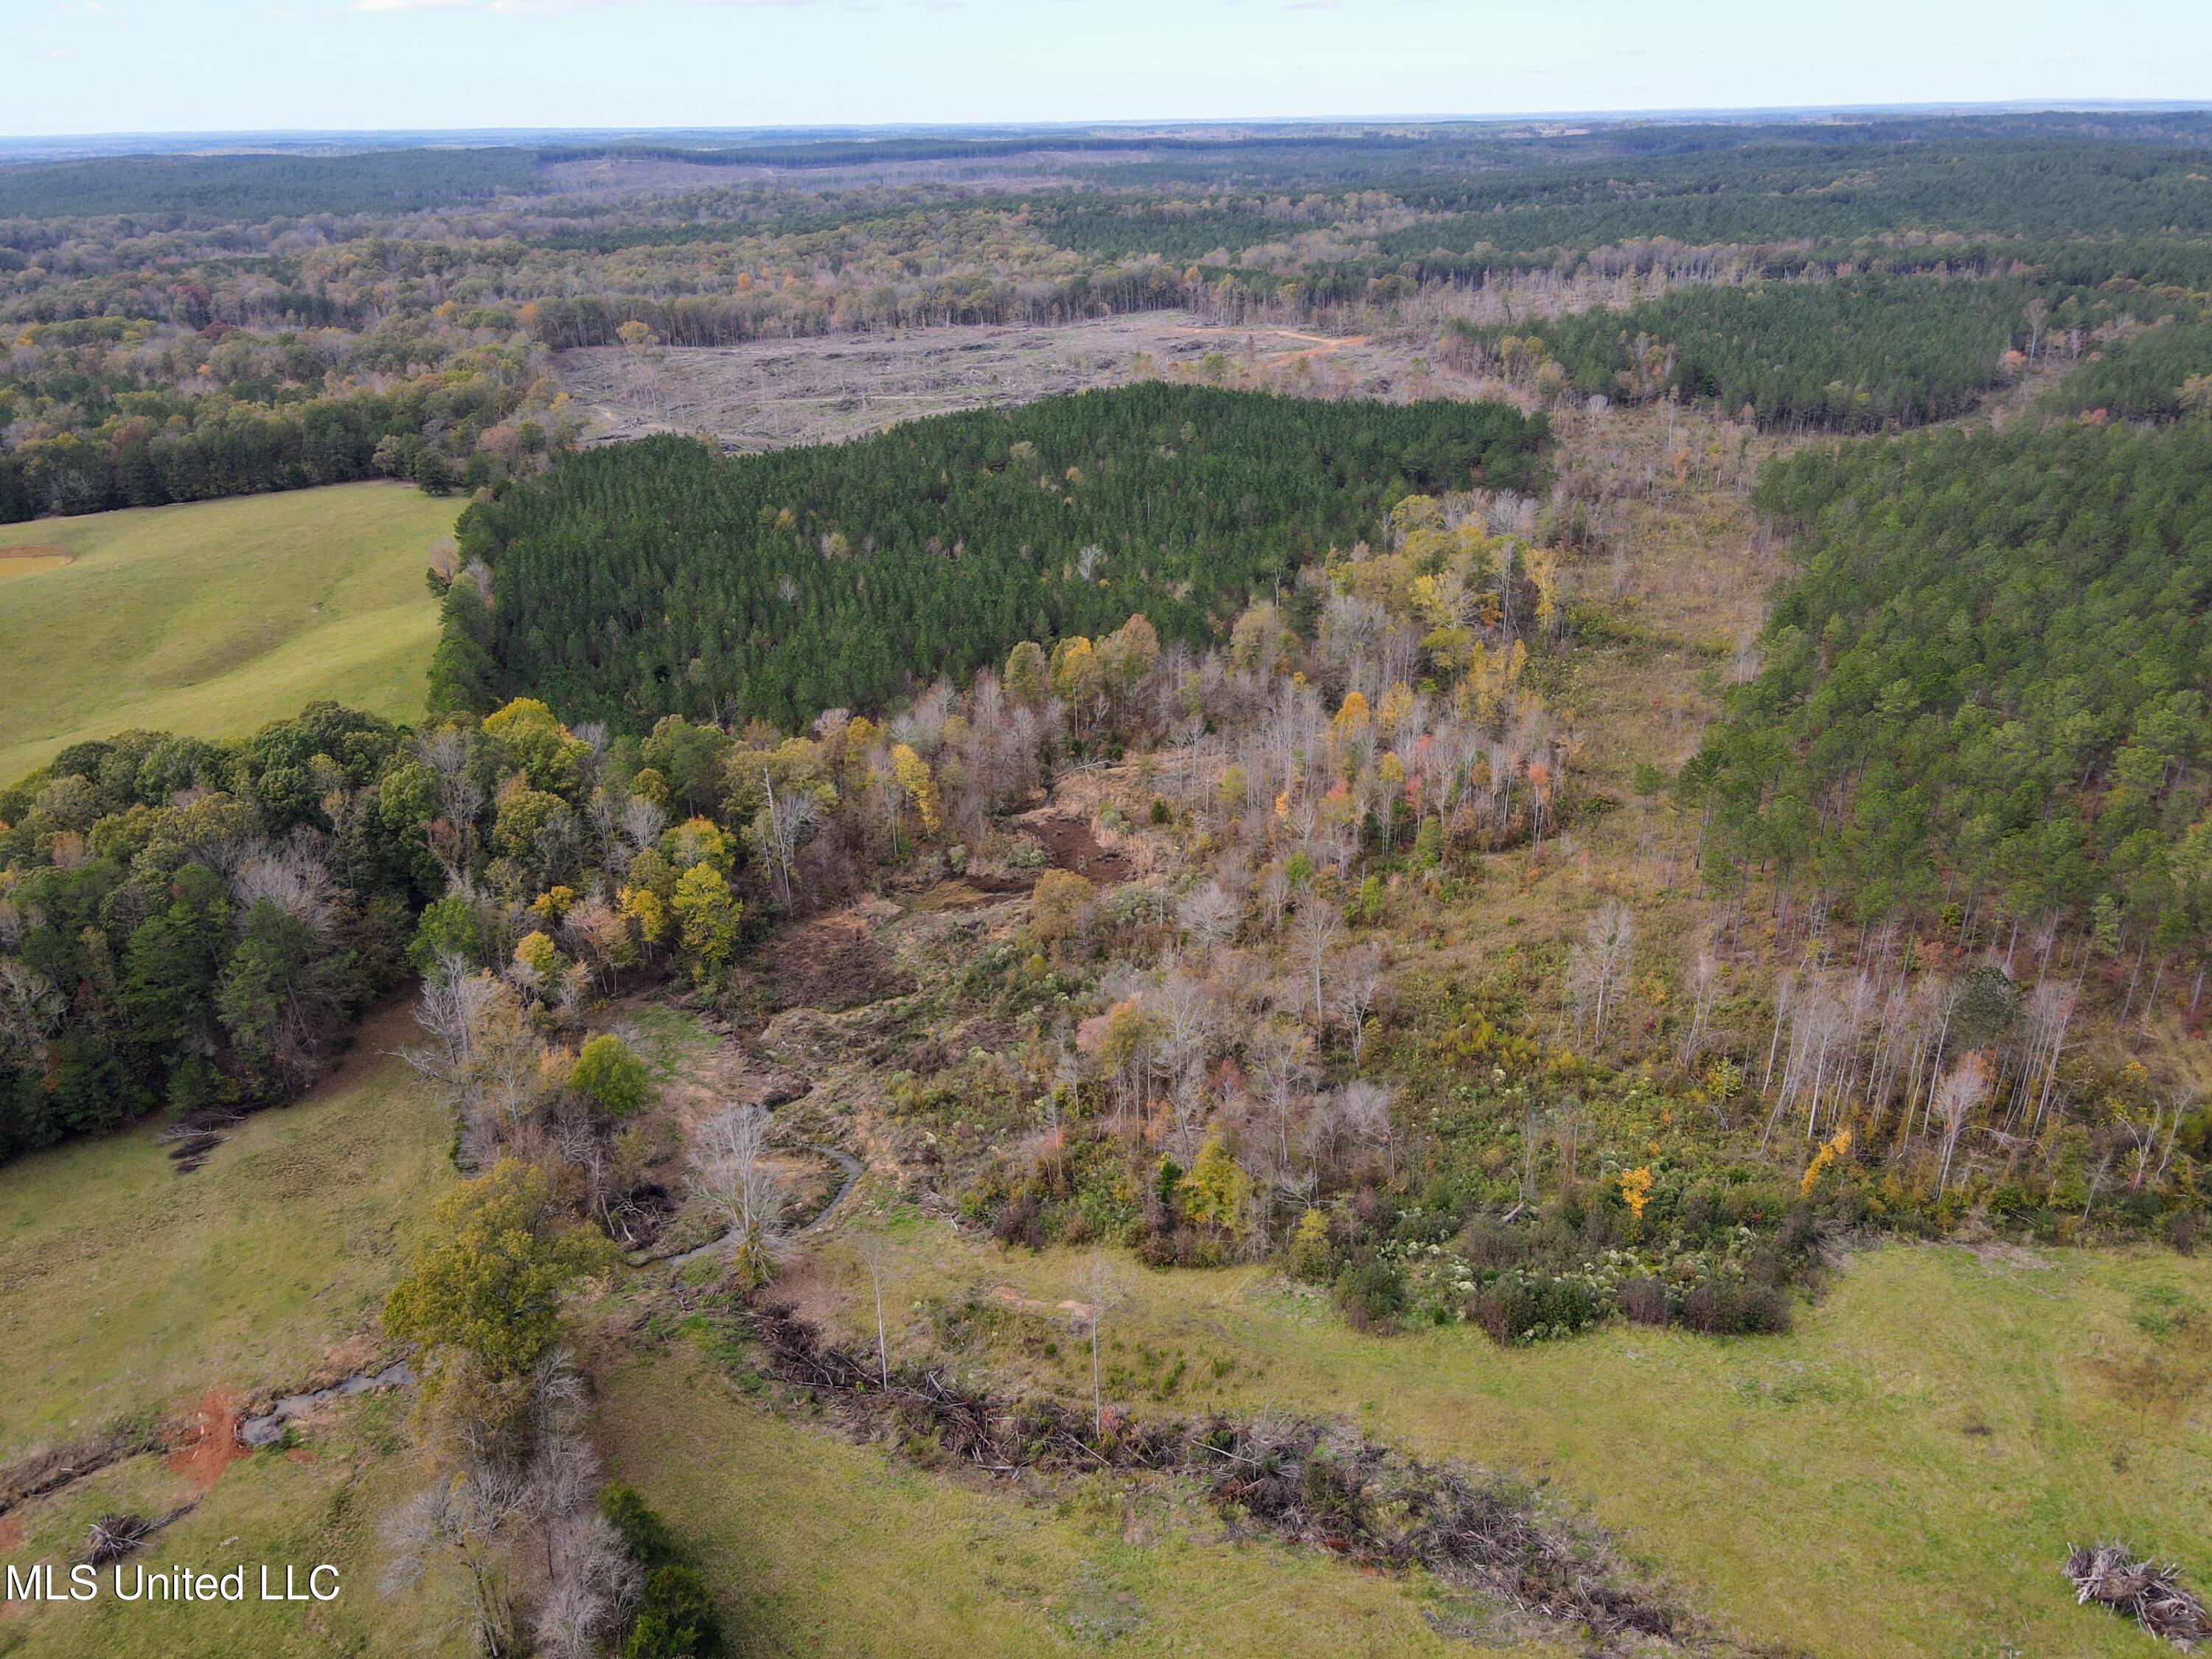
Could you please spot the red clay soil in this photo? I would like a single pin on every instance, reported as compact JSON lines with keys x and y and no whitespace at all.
{"x":207,"y":1444}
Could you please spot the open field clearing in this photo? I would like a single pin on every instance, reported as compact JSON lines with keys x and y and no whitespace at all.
{"x":1924,"y":1444}
{"x":212,"y":618}
{"x":137,"y":1295}
{"x":29,"y":561}
{"x":766,"y":394}
{"x":319,"y":1502}
{"x":129,"y":1290}
{"x":821,"y":1548}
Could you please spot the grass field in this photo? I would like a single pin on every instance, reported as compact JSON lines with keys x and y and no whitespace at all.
{"x":126,"y":1288}
{"x":1899,"y":1475}
{"x":319,"y":1503}
{"x":128,"y":1291}
{"x":215,"y":617}
{"x":823,"y":1548}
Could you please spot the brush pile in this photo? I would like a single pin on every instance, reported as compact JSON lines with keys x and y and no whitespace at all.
{"x":2151,"y":1594}
{"x":112,"y":1537}
{"x":1302,"y":1479}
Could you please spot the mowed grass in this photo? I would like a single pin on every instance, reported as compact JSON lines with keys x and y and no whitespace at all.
{"x":215,"y":617}
{"x":1900,"y":1475}
{"x":128,"y":1289}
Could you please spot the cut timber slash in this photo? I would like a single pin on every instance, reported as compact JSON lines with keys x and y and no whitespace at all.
{"x":114,"y":1536}
{"x":2151,"y":1594}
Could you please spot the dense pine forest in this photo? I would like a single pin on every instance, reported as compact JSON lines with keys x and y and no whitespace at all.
{"x":1849,"y":354}
{"x":2154,"y":373}
{"x":1989,"y":682}
{"x":661,"y":580}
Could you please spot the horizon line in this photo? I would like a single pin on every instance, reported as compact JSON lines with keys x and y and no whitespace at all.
{"x":1742,"y":112}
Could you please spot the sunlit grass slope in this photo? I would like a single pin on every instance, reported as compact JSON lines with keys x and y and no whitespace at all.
{"x":128,"y":1289}
{"x":215,"y":617}
{"x":1899,"y":1475}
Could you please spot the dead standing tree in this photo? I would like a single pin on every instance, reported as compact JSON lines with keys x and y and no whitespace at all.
{"x":1100,"y":1287}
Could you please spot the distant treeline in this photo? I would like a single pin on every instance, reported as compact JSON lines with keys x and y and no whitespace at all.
{"x":256,"y":187}
{"x":233,"y":448}
{"x":2033,"y":187}
{"x":659,"y":578}
{"x":1850,"y":355}
{"x":731,"y":318}
{"x":180,"y":327}
{"x":860,"y":152}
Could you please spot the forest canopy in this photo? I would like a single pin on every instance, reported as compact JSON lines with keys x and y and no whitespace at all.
{"x":1989,"y":676}
{"x":1849,"y":354}
{"x":659,"y":578}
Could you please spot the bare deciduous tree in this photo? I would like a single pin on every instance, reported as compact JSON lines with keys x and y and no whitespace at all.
{"x":1100,"y":1287}
{"x":874,"y":1250}
{"x":1314,"y":938}
{"x":730,"y":1169}
{"x":780,"y":826}
{"x":1363,"y":1108}
{"x":1596,"y":967}
{"x":1208,"y":915}
{"x":465,"y":1520}
{"x":1956,"y":1097}
{"x":1360,"y":985}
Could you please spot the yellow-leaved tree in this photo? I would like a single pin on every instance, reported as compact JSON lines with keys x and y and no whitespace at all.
{"x":914,"y":780}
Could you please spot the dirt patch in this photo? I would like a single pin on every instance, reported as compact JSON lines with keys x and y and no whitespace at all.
{"x":1069,"y":843}
{"x":11,"y":1533}
{"x":35,"y":551}
{"x":207,"y":1443}
{"x":832,"y":964}
{"x":965,"y":893}
{"x":1079,"y":1314}
{"x":1996,"y":1253}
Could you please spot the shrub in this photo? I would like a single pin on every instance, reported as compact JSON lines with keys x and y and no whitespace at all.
{"x":1646,"y":1301}
{"x":1371,"y":1294}
{"x":1310,"y":1256}
{"x":643,"y":1531}
{"x":676,"y":1620}
{"x":1722,"y":1307}
{"x":1020,"y":1220}
{"x":1527,"y":1307}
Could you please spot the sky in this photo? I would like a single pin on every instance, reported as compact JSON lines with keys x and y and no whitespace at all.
{"x":93,"y":66}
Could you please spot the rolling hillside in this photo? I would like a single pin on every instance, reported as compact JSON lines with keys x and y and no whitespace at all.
{"x":213,"y":618}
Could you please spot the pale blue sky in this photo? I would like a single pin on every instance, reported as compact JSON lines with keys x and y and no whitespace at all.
{"x":79,"y":66}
